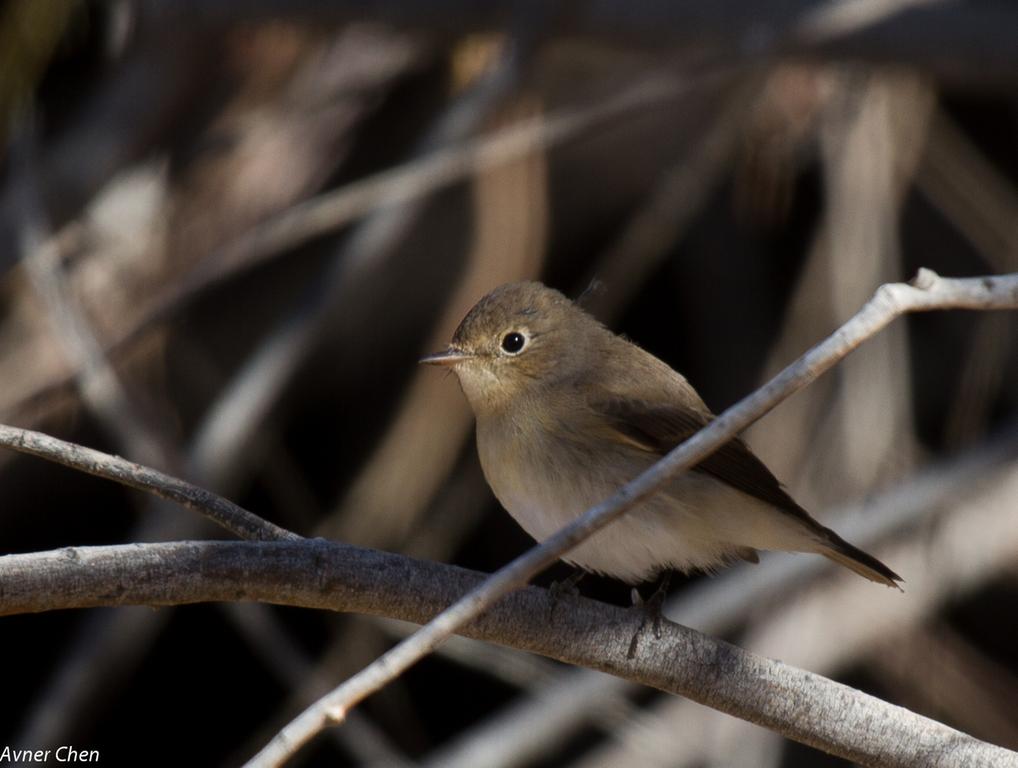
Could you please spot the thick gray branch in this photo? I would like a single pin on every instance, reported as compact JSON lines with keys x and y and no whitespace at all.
{"x":319,"y":574}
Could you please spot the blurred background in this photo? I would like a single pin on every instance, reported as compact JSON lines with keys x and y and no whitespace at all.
{"x":228,"y":231}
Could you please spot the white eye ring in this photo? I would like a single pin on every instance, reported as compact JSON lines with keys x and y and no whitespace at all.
{"x":514,"y":342}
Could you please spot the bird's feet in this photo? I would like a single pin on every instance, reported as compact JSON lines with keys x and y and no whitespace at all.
{"x":651,"y":609}
{"x":564,"y":588}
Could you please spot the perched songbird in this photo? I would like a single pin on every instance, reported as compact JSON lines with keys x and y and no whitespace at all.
{"x":567,"y":412}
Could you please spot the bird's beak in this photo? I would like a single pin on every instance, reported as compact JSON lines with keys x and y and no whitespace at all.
{"x":451,"y":356}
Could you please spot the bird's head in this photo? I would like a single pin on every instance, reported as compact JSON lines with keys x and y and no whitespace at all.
{"x":514,"y":341}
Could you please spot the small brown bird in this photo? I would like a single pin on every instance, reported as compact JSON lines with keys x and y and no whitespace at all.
{"x":567,"y":412}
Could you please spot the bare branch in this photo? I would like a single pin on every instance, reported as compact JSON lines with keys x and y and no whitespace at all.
{"x":576,"y":630}
{"x":927,"y":291}
{"x":235,"y":519}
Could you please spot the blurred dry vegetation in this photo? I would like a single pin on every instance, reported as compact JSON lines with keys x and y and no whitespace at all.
{"x":225,"y":239}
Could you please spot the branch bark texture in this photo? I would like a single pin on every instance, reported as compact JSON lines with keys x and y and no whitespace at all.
{"x":318,"y":574}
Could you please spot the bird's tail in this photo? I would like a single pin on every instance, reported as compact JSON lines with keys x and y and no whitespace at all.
{"x":840,"y":551}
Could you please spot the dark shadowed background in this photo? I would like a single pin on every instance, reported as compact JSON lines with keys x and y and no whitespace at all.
{"x":228,"y":231}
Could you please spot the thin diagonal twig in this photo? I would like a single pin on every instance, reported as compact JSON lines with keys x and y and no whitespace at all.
{"x":230,"y":516}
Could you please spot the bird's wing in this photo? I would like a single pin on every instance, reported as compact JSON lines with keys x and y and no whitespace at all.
{"x":659,"y":428}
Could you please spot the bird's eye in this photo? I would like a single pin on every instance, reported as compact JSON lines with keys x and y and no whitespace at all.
{"x":513,"y":342}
